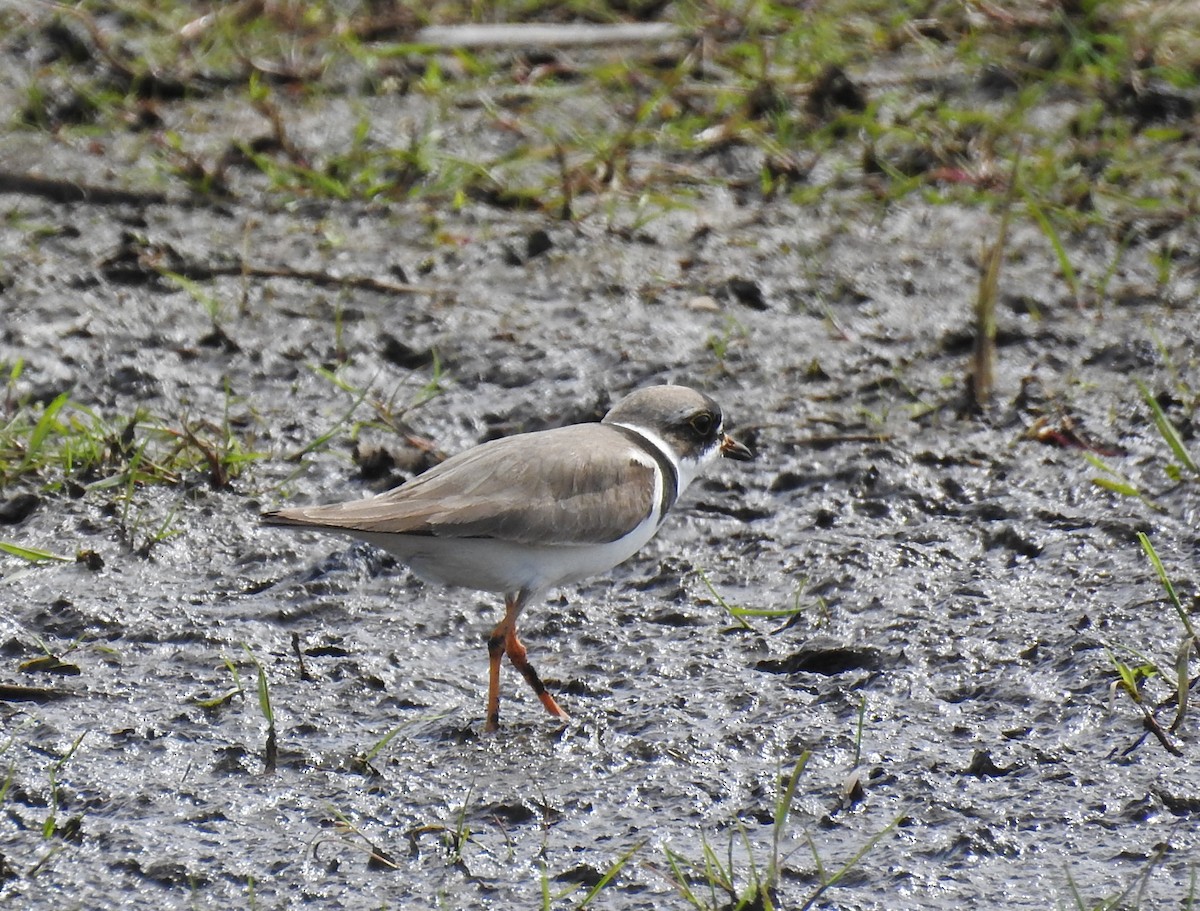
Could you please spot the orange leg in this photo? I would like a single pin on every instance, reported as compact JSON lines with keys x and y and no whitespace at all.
{"x":516,"y":654}
{"x":502,"y":641}
{"x":495,"y":652}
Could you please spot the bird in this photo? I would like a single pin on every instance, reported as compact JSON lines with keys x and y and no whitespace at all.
{"x":526,"y":513}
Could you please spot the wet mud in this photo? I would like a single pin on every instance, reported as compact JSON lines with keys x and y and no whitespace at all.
{"x":960,"y":583}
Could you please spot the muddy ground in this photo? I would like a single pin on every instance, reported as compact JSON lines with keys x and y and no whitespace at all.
{"x":960,"y":582}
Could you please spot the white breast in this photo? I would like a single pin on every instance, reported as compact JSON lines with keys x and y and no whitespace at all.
{"x":491,"y":565}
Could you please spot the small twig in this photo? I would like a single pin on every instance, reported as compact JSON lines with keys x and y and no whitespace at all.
{"x":13,"y":692}
{"x":376,"y":855}
{"x":832,"y":439}
{"x":565,"y":177}
{"x":1152,"y":725}
{"x":218,"y":477}
{"x":304,"y":675}
{"x":540,"y":35}
{"x":200,"y":272}
{"x":94,"y":31}
{"x":57,"y":190}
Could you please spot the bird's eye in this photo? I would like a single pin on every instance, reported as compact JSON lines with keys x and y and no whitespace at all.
{"x":702,"y":423}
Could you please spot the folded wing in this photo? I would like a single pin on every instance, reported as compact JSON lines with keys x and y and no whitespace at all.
{"x":568,"y":486}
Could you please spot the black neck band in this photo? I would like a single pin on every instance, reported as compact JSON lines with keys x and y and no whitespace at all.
{"x":670,"y":475}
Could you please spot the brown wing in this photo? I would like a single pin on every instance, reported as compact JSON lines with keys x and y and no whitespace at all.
{"x":565,"y":486}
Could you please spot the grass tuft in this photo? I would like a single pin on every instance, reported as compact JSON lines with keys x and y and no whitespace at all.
{"x":236,"y":690}
{"x":65,"y":445}
{"x":713,"y":883}
{"x":1132,"y":679}
{"x":51,"y":826}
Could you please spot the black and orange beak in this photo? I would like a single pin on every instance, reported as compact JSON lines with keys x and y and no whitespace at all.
{"x":732,"y":449}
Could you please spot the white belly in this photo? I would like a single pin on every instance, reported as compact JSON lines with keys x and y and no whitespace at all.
{"x":493,"y":565}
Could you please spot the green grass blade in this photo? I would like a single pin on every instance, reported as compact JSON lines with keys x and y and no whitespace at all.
{"x":1064,"y":261}
{"x":50,"y":826}
{"x":1183,"y":683}
{"x":609,"y":875}
{"x":858,"y":731}
{"x":271,"y":750}
{"x":676,"y":862}
{"x":383,"y":742}
{"x":1115,"y":482}
{"x":1172,"y":595}
{"x":32,"y":554}
{"x":7,"y":783}
{"x":729,"y":608}
{"x":211,"y":305}
{"x":41,"y":431}
{"x":852,"y":862}
{"x":770,"y":613}
{"x":783,"y":806}
{"x":321,"y":441}
{"x":714,"y":871}
{"x":264,"y":696}
{"x":1167,"y":430}
{"x":1124,"y":489}
{"x":264,"y":692}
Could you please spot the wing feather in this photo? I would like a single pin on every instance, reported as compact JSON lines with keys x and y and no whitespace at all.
{"x":568,"y":486}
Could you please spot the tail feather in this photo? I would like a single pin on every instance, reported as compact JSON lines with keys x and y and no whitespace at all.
{"x":286,"y":518}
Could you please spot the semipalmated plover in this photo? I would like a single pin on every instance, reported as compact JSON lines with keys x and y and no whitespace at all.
{"x":523,"y":514}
